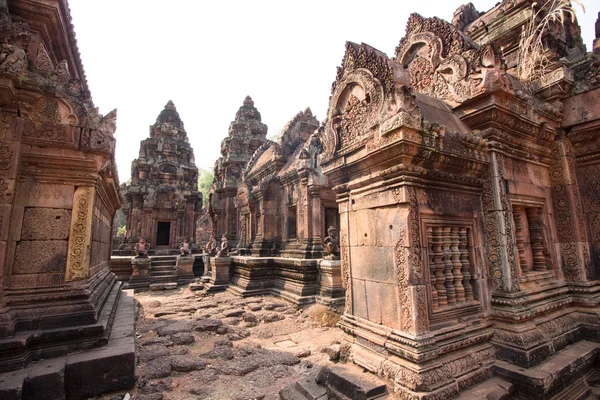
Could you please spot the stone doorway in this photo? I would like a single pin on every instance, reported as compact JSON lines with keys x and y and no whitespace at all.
{"x":163,"y":232}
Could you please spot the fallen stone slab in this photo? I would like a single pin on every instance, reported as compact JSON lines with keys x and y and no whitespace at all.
{"x":332,"y":351}
{"x":172,"y":329}
{"x":220,"y":352}
{"x":249,"y":317}
{"x":271,"y":317}
{"x":158,"y":368}
{"x":208,"y":324}
{"x":230,"y":321}
{"x":240,"y":367}
{"x":183,"y":338}
{"x":150,"y":353}
{"x":187,"y":363}
{"x":233,"y":313}
{"x":179,"y":350}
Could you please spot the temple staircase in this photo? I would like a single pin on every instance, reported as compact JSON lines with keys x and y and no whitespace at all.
{"x":163,"y":273}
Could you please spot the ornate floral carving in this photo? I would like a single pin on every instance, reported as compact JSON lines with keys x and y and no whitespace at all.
{"x":415,"y":234}
{"x":401,"y":263}
{"x":43,"y":62}
{"x":345,"y":265}
{"x":494,"y":215}
{"x":442,"y":63}
{"x":563,"y":210}
{"x":6,"y":157}
{"x":79,"y":237}
{"x":3,"y":190}
{"x":591,"y":189}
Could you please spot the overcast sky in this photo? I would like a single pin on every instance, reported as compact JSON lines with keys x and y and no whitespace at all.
{"x":207,"y":56}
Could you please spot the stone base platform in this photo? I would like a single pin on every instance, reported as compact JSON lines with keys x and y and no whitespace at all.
{"x":219,"y":275}
{"x":79,"y":375}
{"x":121,"y":267}
{"x":293,"y":279}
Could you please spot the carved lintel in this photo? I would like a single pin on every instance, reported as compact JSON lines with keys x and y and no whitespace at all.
{"x":78,"y":258}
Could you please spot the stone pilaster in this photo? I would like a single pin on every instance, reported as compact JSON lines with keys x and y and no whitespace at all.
{"x":80,"y":238}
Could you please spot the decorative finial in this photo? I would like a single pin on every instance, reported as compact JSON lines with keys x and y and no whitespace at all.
{"x":248,"y":102}
{"x":170,"y":105}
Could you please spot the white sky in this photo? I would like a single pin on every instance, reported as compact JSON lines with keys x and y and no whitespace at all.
{"x":207,"y":56}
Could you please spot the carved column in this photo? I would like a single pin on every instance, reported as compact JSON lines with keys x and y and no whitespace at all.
{"x":521,"y":229}
{"x":534,"y":217}
{"x":432,"y":278}
{"x":438,"y":255}
{"x":500,"y":242}
{"x":572,"y":233}
{"x":466,"y":265}
{"x":456,"y":266}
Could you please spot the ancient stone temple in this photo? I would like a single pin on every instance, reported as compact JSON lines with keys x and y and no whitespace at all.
{"x":468,"y":195}
{"x":59,"y":302}
{"x":284,"y":206}
{"x":246,"y":134}
{"x":162,"y":201}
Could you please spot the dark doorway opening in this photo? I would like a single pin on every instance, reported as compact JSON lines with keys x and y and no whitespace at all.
{"x":332,"y":218}
{"x":163,"y":231}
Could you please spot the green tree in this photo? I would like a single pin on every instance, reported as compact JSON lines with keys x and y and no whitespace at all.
{"x":205,"y":180}
{"x":121,"y":231}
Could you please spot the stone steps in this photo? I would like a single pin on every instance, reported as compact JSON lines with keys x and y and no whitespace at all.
{"x":112,"y":365}
{"x":163,"y":273}
{"x":163,"y":286}
{"x":562,"y":376}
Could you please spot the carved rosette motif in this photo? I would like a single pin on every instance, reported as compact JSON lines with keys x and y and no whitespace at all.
{"x":80,"y":235}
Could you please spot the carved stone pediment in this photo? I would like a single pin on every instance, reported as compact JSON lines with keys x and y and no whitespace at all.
{"x":355,"y":107}
{"x":444,"y":63}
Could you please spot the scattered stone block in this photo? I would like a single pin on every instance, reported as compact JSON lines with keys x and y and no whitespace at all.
{"x":158,"y":368}
{"x":187,"y":363}
{"x":183,"y":338}
{"x":220,"y":352}
{"x":333,"y":352}
{"x":152,"y":352}
{"x":208,"y":324}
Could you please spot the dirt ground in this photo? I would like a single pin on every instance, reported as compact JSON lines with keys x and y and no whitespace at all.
{"x":198,"y":346}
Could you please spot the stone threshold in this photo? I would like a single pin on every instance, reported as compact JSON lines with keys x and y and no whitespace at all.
{"x":79,"y":375}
